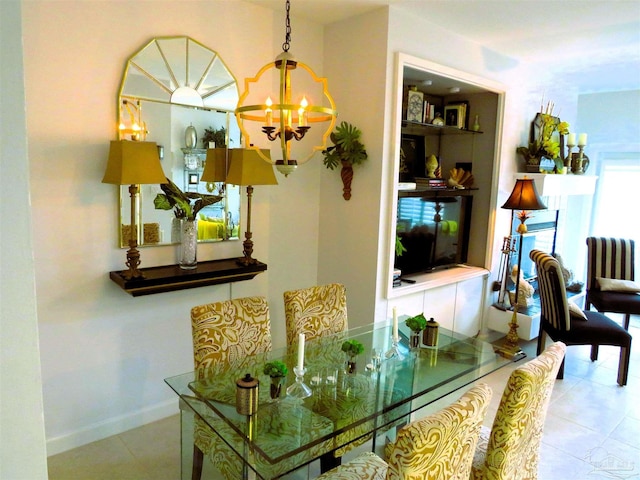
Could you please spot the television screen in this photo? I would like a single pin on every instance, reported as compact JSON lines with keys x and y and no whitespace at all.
{"x":433,"y":230}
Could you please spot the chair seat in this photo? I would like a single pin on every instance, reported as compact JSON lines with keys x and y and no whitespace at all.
{"x":367,"y":466}
{"x":615,"y":302}
{"x":598,"y":329}
{"x":480,"y":454}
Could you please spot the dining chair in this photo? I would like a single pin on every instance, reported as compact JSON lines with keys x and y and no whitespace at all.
{"x":222,"y":332}
{"x":509,"y":449}
{"x":439,"y":446}
{"x":315,"y":311}
{"x":574,"y":327}
{"x":610,"y":277}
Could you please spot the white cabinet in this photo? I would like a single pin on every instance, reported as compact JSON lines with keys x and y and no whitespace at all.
{"x":455,"y":304}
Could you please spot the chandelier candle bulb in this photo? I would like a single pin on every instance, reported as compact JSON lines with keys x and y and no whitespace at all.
{"x":582,"y":139}
{"x":301,"y":351}
{"x":268,"y":113}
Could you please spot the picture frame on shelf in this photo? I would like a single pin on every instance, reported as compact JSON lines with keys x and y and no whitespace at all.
{"x":194,"y":179}
{"x":415,"y":106}
{"x":455,"y":115}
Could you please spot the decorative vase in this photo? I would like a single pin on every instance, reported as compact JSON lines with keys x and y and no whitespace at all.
{"x":476,"y":124}
{"x":347,"y":176}
{"x":414,"y":340}
{"x":190,"y":137}
{"x":187,"y":249}
{"x":276,"y":387}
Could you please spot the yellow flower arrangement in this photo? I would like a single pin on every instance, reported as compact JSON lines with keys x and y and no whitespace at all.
{"x":546,"y":144}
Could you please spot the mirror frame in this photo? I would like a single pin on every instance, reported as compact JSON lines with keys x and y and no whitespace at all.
{"x":179,"y":72}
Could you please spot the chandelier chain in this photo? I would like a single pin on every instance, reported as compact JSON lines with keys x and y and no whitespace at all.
{"x":287,"y":38}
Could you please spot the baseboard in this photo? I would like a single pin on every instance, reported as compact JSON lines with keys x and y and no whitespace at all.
{"x":110,"y":427}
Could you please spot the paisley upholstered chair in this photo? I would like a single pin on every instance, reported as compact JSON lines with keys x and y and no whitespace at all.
{"x":223,"y":332}
{"x":571,"y":325}
{"x":610,"y":277}
{"x":509,"y":450}
{"x":438,"y":447}
{"x":315,"y":311}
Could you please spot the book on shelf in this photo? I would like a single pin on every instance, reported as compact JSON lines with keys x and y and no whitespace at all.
{"x":431,"y":182}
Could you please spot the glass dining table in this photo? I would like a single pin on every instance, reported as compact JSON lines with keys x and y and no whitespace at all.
{"x":387,"y":386}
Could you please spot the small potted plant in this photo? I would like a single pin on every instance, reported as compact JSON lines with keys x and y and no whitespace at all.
{"x":277,"y":370}
{"x":346,"y":151}
{"x":416,"y":324}
{"x":352,"y":348}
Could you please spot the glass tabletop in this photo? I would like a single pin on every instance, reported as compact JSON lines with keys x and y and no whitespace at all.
{"x":287,"y":433}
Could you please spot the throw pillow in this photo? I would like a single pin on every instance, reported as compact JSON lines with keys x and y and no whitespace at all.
{"x":576,"y":312}
{"x":616,"y":285}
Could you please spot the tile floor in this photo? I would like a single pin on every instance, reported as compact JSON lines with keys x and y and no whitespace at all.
{"x":592,"y":430}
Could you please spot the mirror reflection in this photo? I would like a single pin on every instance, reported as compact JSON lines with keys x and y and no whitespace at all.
{"x":180,"y":94}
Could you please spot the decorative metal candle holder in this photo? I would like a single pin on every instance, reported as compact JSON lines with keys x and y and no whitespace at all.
{"x":394,"y":351}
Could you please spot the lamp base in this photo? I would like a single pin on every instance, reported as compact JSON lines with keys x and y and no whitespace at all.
{"x":510,"y":348}
{"x":509,"y":353}
{"x":246,"y":261}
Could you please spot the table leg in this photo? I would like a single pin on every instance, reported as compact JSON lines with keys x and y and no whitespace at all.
{"x":329,"y":461}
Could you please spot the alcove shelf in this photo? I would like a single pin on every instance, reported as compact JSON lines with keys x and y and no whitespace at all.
{"x":168,"y":278}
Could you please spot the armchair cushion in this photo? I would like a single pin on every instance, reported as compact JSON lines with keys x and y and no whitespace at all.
{"x":617,"y":285}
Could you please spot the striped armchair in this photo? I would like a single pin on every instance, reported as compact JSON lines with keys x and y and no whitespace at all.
{"x":438,"y":447}
{"x":577,"y":327}
{"x":612,"y":258}
{"x":509,"y":450}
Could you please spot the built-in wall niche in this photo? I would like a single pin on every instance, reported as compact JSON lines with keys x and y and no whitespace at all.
{"x":456,"y":145}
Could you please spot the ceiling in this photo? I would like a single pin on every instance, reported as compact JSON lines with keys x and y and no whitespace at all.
{"x":594,"y":45}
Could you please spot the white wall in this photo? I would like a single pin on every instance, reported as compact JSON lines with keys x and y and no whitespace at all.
{"x":23,"y":452}
{"x":104,"y":353}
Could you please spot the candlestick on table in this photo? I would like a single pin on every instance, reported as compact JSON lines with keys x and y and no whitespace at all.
{"x":301,"y":351}
{"x":395,"y":325}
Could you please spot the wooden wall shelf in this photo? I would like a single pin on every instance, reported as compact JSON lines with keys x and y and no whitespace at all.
{"x":168,"y":278}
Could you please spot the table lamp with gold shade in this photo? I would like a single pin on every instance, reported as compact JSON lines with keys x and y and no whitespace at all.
{"x":133,"y":163}
{"x":524,"y":198}
{"x":246,"y":168}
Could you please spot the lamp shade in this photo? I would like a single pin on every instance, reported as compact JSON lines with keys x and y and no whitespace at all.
{"x":215,"y":167}
{"x":248,"y":168}
{"x":524,"y":196}
{"x":133,"y":163}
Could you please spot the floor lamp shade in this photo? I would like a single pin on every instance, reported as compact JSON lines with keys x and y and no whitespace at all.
{"x":133,"y":163}
{"x":524,"y":196}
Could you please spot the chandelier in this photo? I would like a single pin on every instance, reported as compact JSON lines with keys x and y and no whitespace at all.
{"x":291,"y":115}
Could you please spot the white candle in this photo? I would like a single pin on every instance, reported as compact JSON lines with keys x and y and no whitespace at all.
{"x":571,"y":139}
{"x":268,"y":113}
{"x":582,"y":139}
{"x":301,"y":351}
{"x":395,"y":325}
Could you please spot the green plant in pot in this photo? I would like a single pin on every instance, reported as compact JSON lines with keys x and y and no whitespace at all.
{"x":215,"y":136}
{"x":416,"y":324}
{"x":185,"y":205}
{"x":347,"y":150}
{"x":277,"y":371}
{"x":352,"y":348}
{"x":546,"y":130}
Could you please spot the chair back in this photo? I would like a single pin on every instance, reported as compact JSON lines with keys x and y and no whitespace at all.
{"x":514,"y":444}
{"x":609,"y":258}
{"x":315,"y":311}
{"x":441,"y":445}
{"x":228,"y":331}
{"x":554,"y":308}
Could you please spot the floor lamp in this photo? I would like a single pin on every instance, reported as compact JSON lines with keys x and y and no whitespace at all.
{"x":133,"y":163}
{"x":247,"y":168}
{"x":525,"y":198}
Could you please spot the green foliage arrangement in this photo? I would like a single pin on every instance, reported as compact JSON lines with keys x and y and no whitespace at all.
{"x":184,"y":204}
{"x":417,"y":323}
{"x":347,"y":147}
{"x":219,"y":137}
{"x":352,"y":347}
{"x":275,"y":369}
{"x":400,"y":249}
